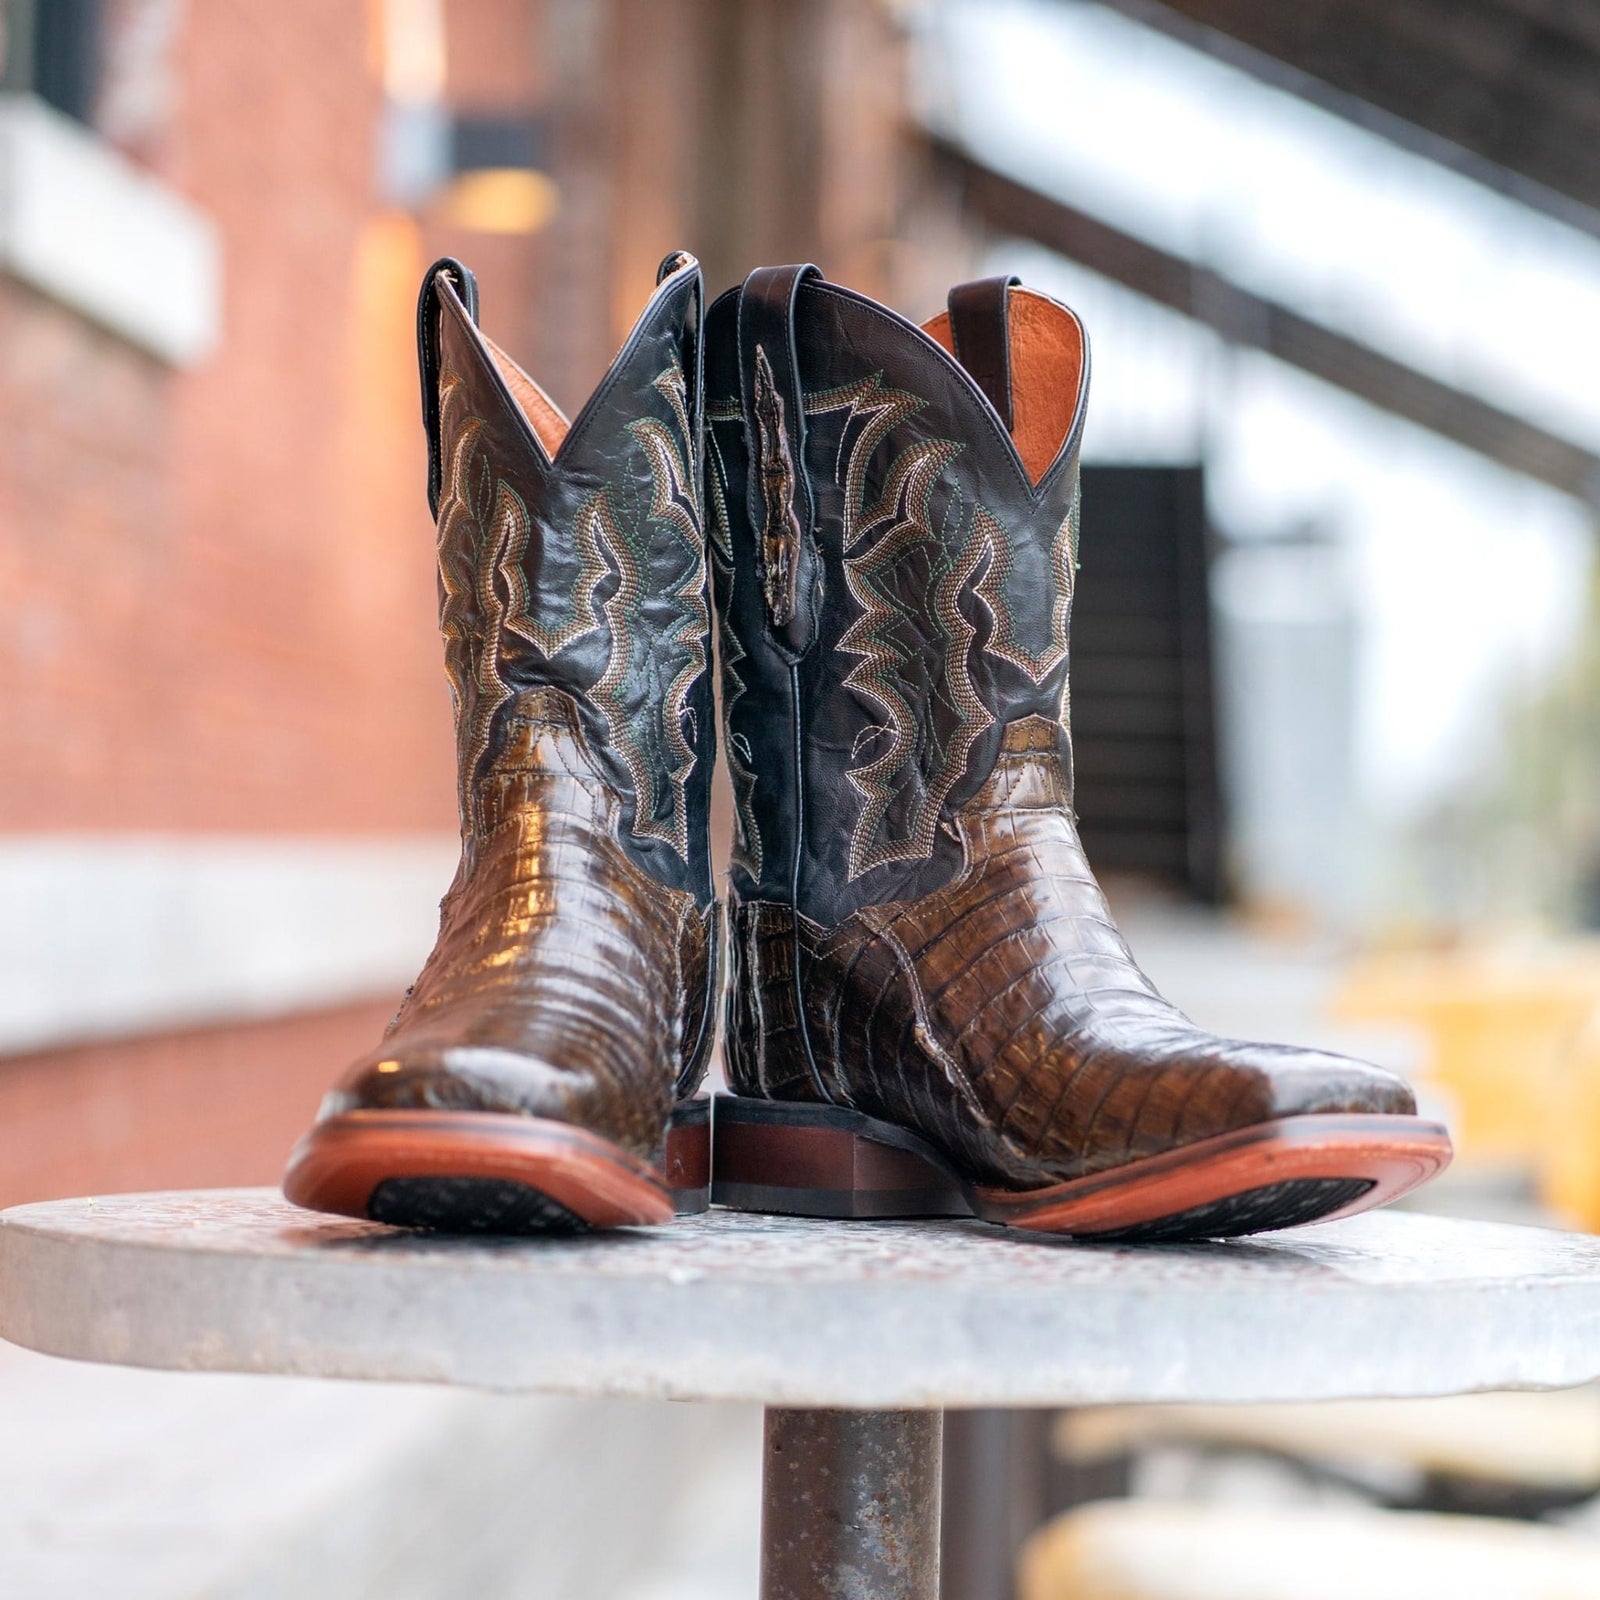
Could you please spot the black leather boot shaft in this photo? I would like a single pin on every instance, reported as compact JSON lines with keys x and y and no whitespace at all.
{"x":858,"y":467}
{"x":596,"y":584}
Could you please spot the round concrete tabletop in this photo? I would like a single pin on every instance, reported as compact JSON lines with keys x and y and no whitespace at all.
{"x":801,"y":1313}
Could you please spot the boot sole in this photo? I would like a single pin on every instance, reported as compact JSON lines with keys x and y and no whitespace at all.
{"x":494,"y":1172}
{"x":827,"y":1161}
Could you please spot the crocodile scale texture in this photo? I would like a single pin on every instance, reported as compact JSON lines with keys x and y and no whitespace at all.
{"x":566,"y":982}
{"x":1003,"y":1016}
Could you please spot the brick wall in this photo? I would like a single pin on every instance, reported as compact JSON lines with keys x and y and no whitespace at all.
{"x":219,"y":584}
{"x":85,"y":546}
{"x":211,"y":1107}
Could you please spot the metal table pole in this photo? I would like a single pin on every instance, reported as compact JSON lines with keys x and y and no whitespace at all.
{"x":850,"y":1505}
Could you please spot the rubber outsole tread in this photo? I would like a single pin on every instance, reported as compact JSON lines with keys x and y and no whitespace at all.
{"x":1275,"y":1205}
{"x":471,"y":1206}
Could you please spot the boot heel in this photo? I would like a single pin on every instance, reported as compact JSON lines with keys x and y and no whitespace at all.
{"x":825,"y":1161}
{"x":686,"y":1164}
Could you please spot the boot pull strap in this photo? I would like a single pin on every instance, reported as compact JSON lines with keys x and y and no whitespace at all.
{"x":428,"y":311}
{"x":981,"y":333}
{"x":779,"y":489}
{"x":672,"y":261}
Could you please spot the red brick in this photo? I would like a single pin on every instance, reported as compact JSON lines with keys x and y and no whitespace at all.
{"x":218,"y":584}
{"x":215,"y":1107}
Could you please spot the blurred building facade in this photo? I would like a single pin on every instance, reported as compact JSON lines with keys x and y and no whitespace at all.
{"x":226,"y":805}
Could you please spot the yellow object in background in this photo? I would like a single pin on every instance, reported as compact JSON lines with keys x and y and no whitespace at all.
{"x":1502,"y":1027}
{"x":1570,"y":1180}
{"x":499,"y":200}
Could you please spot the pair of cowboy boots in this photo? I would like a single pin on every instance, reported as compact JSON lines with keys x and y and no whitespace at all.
{"x":929,"y":1008}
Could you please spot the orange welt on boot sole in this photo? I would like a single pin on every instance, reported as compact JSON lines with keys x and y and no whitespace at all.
{"x":828,"y":1161}
{"x":495,"y":1172}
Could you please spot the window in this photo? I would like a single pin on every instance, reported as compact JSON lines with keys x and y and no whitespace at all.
{"x":51,"y":48}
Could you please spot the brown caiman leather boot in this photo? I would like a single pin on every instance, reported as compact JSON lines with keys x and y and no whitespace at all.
{"x":931,"y":1012}
{"x":563,"y":1021}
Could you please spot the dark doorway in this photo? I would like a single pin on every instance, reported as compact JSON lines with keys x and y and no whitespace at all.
{"x":1144,"y":743}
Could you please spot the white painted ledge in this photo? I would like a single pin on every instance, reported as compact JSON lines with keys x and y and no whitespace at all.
{"x":81,"y":223}
{"x":111,"y":934}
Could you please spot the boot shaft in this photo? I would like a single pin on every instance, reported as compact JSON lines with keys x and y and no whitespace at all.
{"x":894,"y":536}
{"x":572,"y":557}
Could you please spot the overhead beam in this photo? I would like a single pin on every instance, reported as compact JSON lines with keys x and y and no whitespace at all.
{"x":1245,"y":318}
{"x":1506,"y":92}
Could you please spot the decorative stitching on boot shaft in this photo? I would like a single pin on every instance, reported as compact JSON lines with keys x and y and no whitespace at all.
{"x":485,"y":594}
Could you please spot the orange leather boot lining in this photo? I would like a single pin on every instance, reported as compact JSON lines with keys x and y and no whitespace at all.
{"x":544,"y":415}
{"x":1046,"y":373}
